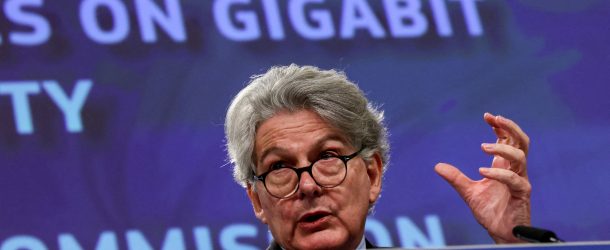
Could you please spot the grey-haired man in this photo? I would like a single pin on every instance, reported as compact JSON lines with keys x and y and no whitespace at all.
{"x":311,"y":150}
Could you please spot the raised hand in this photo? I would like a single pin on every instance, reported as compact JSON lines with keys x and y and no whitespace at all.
{"x":501,"y":200}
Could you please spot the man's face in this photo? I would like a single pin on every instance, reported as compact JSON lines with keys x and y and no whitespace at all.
{"x":314,"y":217}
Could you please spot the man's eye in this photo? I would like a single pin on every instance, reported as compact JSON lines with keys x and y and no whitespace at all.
{"x":277,"y":165}
{"x":328,"y":154}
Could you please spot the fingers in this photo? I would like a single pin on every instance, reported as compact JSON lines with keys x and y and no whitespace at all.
{"x":454,"y":176}
{"x":508,"y":132}
{"x":517,"y":184}
{"x":516,"y":157}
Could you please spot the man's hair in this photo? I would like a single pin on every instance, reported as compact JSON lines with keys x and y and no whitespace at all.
{"x":292,"y":88}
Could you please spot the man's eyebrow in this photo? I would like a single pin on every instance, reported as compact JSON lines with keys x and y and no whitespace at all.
{"x":318,"y":143}
{"x":331,"y":137}
{"x":270,"y":150}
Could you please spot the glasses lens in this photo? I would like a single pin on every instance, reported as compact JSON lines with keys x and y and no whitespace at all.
{"x":329,"y":172}
{"x":281,"y":182}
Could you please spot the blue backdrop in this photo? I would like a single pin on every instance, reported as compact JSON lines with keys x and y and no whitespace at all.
{"x":112,"y":111}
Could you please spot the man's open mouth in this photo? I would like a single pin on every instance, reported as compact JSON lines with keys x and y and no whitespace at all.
{"x":313,"y":216}
{"x":314,"y":221}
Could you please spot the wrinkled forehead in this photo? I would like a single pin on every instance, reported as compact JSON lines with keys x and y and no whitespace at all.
{"x":296,"y":131}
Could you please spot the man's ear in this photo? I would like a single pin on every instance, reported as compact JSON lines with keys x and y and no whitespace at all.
{"x":256,"y":203}
{"x":374,"y":169}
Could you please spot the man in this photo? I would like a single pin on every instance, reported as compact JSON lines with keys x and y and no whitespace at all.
{"x":311,"y":151}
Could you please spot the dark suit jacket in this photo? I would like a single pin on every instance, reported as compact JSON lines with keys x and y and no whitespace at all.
{"x":275,"y":246}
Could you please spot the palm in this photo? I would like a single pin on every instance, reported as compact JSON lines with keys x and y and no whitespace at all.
{"x":499,"y":201}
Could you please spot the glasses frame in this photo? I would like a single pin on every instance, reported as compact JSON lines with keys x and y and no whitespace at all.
{"x":308,"y":169}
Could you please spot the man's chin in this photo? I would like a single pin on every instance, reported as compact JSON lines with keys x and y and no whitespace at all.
{"x":324,"y":239}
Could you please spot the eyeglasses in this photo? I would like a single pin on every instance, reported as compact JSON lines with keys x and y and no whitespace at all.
{"x":282,"y":181}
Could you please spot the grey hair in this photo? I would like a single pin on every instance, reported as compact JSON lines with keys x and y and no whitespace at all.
{"x":327,"y":92}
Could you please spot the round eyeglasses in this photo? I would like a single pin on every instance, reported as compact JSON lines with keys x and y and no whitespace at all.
{"x":282,"y":181}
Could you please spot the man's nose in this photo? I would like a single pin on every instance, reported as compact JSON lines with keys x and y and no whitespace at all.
{"x":308,"y":186}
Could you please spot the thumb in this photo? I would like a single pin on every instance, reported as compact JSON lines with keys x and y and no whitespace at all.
{"x":454,"y":176}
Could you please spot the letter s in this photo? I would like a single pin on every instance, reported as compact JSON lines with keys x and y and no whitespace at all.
{"x":41,"y":30}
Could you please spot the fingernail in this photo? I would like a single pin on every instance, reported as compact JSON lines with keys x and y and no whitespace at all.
{"x":488,"y":146}
{"x":483,"y":170}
